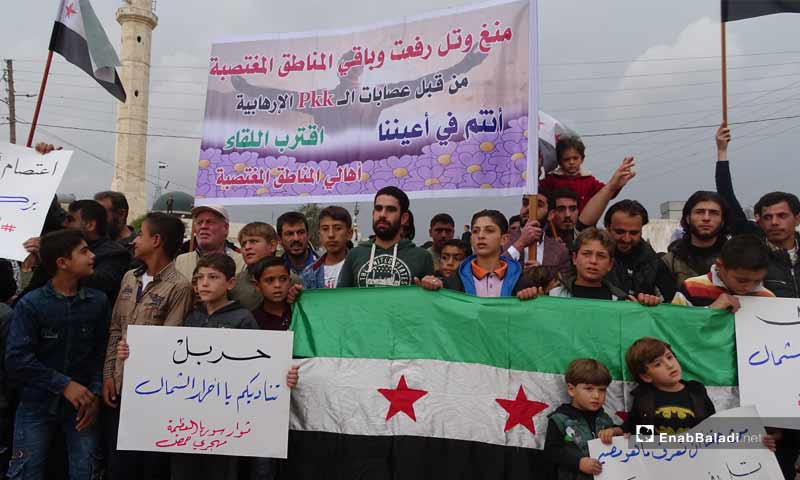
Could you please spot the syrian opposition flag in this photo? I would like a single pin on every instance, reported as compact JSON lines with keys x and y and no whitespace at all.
{"x":407,"y":384}
{"x":741,"y":9}
{"x":79,"y":37}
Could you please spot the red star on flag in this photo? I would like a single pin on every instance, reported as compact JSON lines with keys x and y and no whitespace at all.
{"x":402,"y":399}
{"x":521,"y":411}
{"x":70,"y":11}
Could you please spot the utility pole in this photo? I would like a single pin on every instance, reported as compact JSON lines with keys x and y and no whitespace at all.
{"x":12,"y":108}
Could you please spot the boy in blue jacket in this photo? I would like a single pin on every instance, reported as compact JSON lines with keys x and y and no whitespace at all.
{"x":55,"y":352}
{"x":487,"y":273}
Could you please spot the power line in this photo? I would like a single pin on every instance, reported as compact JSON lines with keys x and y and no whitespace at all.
{"x":77,"y":75}
{"x":108,"y":112}
{"x":566,"y":79}
{"x":693,"y":127}
{"x":543,"y":64}
{"x":674,"y":72}
{"x":666,"y":59}
{"x":560,"y":92}
{"x":660,"y":102}
{"x":591,"y":135}
{"x":674,"y":114}
{"x":750,"y":101}
{"x":95,"y":156}
{"x":99,"y":130}
{"x":71,"y":116}
{"x":673,"y":85}
{"x":110,"y":102}
{"x":107,"y":162}
{"x":682,"y":147}
{"x":156,"y":92}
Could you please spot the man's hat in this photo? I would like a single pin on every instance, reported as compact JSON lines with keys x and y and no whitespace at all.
{"x":219,"y":210}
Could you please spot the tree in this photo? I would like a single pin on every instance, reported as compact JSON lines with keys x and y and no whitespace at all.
{"x":311,"y":212}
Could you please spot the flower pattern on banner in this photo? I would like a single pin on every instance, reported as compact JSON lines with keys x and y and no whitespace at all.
{"x":485,"y":160}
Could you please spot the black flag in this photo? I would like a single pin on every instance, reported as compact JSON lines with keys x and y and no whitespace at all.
{"x":740,"y":9}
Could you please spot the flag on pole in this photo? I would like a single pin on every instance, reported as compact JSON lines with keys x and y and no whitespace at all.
{"x":78,"y":36}
{"x":741,"y":9}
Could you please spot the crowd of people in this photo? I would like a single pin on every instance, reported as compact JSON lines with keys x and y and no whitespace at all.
{"x":90,"y":276}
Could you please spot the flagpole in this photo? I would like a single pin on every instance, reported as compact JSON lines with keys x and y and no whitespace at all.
{"x":40,"y":97}
{"x":533,"y":213}
{"x":724,"y":75}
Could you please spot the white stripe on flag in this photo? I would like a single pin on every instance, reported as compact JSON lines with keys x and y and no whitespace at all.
{"x":70,"y":15}
{"x":340,"y":395}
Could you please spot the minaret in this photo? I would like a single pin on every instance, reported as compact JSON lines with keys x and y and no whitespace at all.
{"x":138,"y":21}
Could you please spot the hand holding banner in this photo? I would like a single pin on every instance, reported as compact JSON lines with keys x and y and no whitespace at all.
{"x":28,"y":182}
{"x":209,"y":391}
{"x":768,"y":353}
{"x":626,"y":459}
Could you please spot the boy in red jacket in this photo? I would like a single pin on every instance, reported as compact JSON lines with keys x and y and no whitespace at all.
{"x":570,"y":173}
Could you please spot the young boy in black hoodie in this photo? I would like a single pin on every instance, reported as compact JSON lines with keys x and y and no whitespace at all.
{"x":573,"y":424}
{"x":662,"y":398}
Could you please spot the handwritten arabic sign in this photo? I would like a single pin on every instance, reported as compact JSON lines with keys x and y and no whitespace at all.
{"x":436,"y":105}
{"x":204,"y":390}
{"x":28,"y":182}
{"x":768,"y":351}
{"x":626,"y":460}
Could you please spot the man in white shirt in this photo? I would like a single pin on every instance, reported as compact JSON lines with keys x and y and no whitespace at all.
{"x":335,"y":231}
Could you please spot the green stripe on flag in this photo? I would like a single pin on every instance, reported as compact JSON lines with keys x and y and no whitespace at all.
{"x":541,"y":335}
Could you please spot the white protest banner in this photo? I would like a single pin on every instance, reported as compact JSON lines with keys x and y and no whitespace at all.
{"x":206,"y":390}
{"x":709,"y":456}
{"x":28,"y":182}
{"x":768,"y":352}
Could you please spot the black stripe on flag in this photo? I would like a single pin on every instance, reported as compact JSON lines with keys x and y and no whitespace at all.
{"x":332,"y":456}
{"x":741,"y":9}
{"x":74,"y":49}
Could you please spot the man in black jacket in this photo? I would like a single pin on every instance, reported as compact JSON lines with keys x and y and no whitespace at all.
{"x":777,"y":217}
{"x":706,"y":221}
{"x":111,"y":260}
{"x":637,"y":267}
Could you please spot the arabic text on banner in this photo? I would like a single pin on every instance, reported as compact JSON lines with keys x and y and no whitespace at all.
{"x":436,"y":105}
{"x":28,"y":182}
{"x":768,"y":355}
{"x":206,"y":390}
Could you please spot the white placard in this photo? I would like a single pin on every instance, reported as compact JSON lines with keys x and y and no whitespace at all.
{"x":768,"y":351}
{"x":206,"y":390}
{"x":628,"y":460}
{"x":28,"y":182}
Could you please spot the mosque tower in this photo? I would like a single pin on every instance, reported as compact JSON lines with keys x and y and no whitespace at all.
{"x":138,"y":19}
